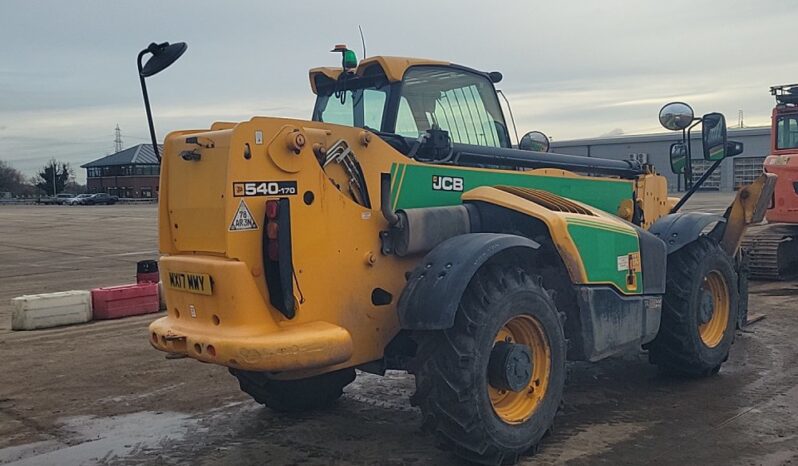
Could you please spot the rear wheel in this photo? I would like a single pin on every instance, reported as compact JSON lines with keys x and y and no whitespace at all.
{"x":490,"y":386}
{"x":699,"y":311}
{"x":294,"y":395}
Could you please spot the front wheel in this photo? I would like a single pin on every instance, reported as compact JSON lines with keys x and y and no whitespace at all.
{"x":490,"y":386}
{"x":699,"y":310}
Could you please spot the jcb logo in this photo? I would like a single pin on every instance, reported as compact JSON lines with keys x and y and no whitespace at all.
{"x":447,"y":183}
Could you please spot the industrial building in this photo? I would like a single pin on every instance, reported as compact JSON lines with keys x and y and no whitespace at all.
{"x":130,"y":173}
{"x":653,"y":148}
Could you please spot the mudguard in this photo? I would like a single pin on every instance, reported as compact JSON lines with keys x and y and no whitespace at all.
{"x":435,"y":286}
{"x":681,"y":228}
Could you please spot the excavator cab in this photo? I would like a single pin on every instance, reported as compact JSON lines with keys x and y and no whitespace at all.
{"x":783,"y":160}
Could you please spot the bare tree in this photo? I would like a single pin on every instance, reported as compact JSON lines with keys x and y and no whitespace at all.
{"x":11,"y":179}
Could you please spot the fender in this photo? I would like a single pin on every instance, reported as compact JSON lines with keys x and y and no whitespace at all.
{"x":435,"y":286}
{"x":681,"y":228}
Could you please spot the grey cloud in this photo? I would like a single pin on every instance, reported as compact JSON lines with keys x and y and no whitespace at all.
{"x":575,"y":69}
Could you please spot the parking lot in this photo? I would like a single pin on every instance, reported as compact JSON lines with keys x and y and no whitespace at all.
{"x":98,"y":393}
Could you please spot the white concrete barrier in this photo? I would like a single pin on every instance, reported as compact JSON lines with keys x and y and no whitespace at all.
{"x":50,"y":310}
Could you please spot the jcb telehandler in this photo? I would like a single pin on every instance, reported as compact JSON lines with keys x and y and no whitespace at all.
{"x":400,"y":228}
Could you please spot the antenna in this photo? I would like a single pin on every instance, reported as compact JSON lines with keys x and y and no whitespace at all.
{"x":117,"y":139}
{"x":362,"y":40}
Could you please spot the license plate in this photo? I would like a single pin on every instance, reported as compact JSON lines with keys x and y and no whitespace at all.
{"x":199,"y":283}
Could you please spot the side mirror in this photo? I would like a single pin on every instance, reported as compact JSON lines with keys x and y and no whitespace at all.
{"x":678,"y":154}
{"x":713,"y":136}
{"x":676,"y":116}
{"x":534,"y":141}
{"x":733,"y":148}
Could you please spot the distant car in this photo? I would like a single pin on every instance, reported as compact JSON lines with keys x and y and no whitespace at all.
{"x":57,"y":199}
{"x":103,"y":198}
{"x":80,"y":199}
{"x":61,"y":199}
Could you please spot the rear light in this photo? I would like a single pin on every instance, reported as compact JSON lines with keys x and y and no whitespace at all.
{"x":272,"y":230}
{"x":273,"y":251}
{"x":272,"y":209}
{"x":277,"y":257}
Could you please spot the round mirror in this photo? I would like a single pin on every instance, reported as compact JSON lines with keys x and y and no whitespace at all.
{"x":163,"y":55}
{"x":534,"y":141}
{"x":676,"y":116}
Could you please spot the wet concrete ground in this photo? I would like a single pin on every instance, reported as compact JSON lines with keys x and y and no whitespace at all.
{"x":98,"y":393}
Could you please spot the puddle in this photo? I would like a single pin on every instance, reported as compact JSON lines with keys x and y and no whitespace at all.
{"x":88,"y":440}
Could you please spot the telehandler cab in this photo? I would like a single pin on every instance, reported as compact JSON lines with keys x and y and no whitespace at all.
{"x":399,"y":228}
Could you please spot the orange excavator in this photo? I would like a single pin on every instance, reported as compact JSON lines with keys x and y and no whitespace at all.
{"x":773,"y":249}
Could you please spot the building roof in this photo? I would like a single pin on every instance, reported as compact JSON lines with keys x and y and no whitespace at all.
{"x":141,"y":154}
{"x":655,"y":137}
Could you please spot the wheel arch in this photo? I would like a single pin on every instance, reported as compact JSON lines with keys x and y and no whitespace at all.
{"x":682,"y":228}
{"x":430,"y":299}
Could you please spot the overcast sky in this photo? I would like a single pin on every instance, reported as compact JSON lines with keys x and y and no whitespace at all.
{"x":571,"y":69}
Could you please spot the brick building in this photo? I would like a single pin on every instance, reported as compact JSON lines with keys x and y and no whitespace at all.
{"x":131,"y":173}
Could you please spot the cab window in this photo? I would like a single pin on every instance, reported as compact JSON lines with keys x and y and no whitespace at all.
{"x":787,"y":132}
{"x":459,"y":101}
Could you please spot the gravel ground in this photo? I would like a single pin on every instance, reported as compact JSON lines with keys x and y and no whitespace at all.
{"x":97,"y":393}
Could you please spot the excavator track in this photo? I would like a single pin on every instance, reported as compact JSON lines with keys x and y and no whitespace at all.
{"x":772,"y":252}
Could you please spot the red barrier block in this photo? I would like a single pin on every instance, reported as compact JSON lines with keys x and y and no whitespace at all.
{"x":114,"y":302}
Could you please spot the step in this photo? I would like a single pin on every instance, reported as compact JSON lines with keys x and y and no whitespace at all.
{"x":50,"y":310}
{"x":115,"y":302}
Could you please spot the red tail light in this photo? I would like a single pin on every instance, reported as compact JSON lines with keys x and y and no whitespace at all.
{"x":277,"y":257}
{"x":272,"y":230}
{"x":272,"y":209}
{"x":273,"y":250}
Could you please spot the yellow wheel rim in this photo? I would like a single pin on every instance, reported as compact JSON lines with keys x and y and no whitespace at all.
{"x":517,"y":407}
{"x":712,"y":330}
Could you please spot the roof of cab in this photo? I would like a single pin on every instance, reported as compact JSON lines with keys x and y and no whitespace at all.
{"x":394,"y":68}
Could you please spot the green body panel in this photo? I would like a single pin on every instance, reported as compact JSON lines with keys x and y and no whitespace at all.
{"x":600,"y":248}
{"x":600,"y":244}
{"x":413,"y":186}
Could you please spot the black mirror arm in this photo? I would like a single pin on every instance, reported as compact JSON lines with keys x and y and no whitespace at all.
{"x":696,"y":186}
{"x":688,"y":166}
{"x":147,"y":101}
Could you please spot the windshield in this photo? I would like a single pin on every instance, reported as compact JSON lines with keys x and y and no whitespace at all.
{"x":461,"y":102}
{"x":787,"y":132}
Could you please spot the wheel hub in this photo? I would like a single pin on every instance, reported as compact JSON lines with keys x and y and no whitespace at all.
{"x":510,"y":366}
{"x":707,"y":307}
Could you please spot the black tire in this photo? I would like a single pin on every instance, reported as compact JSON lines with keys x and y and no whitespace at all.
{"x":679,"y":347}
{"x":294,"y":395}
{"x":451,"y":369}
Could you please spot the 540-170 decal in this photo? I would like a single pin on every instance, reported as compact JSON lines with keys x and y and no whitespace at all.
{"x":264,"y":188}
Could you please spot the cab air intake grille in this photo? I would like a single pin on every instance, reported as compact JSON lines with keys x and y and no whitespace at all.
{"x":546,"y":199}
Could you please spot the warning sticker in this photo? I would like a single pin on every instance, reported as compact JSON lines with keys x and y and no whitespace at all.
{"x":634,"y":262}
{"x":629,"y":261}
{"x":243,"y":220}
{"x":623,"y":263}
